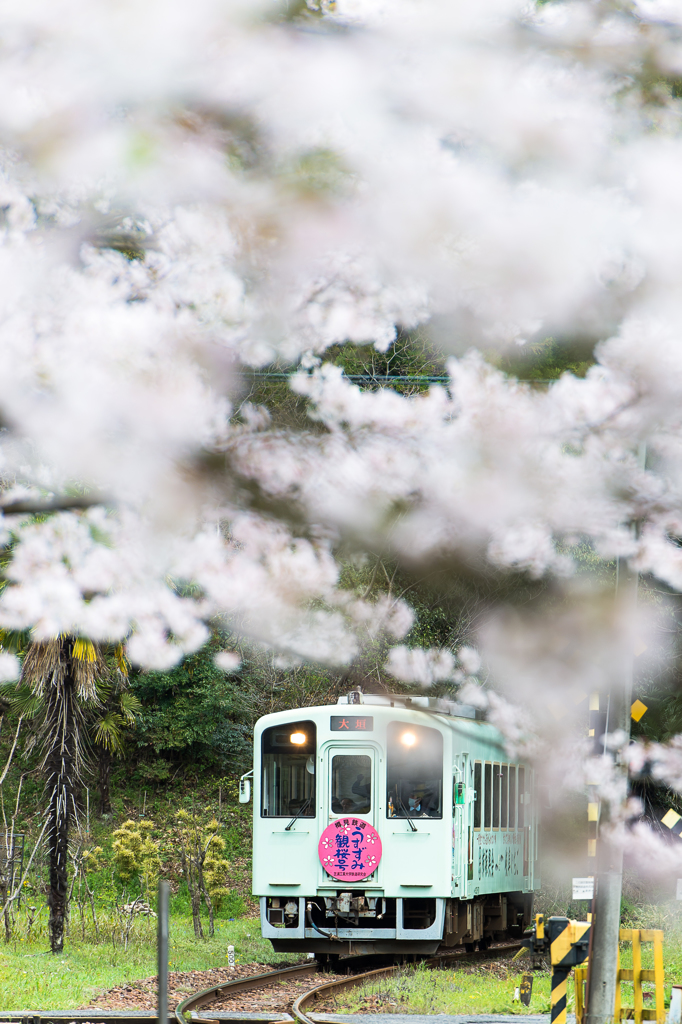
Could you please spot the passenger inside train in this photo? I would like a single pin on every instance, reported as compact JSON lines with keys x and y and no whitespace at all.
{"x":414,"y":772}
{"x":351,"y":784}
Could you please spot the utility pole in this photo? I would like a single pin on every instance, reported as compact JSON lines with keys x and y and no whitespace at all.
{"x":608,"y":880}
{"x":608,"y":886}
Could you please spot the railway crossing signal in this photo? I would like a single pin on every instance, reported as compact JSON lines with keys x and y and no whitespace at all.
{"x":567,"y":943}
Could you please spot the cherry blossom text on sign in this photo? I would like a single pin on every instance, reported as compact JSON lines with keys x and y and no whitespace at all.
{"x":349,"y":849}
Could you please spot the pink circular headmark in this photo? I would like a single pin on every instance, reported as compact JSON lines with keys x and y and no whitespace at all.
{"x":349,"y":849}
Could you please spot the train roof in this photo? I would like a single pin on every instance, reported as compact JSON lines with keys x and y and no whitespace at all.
{"x":448,"y":714}
{"x":436,"y":705}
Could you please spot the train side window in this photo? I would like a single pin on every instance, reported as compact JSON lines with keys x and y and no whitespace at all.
{"x":288,"y":770}
{"x":414,"y":771}
{"x":512,"y":796}
{"x":477,"y":794}
{"x":487,"y":795}
{"x":504,"y":794}
{"x":496,"y":796}
{"x":522,"y":796}
{"x":351,"y":783}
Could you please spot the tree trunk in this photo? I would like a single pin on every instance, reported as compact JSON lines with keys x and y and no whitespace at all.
{"x":104,"y":776}
{"x":209,"y":905}
{"x":192,"y":888}
{"x":196,"y":913}
{"x":4,"y":893}
{"x":60,"y":766}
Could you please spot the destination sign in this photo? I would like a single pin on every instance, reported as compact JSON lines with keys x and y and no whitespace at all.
{"x":351,"y":723}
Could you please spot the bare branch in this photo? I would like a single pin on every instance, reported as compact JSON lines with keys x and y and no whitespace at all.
{"x":65,"y":504}
{"x":11,"y":753}
{"x":13,"y":896}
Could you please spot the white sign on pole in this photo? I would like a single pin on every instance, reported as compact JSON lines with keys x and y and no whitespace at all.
{"x":583,"y":888}
{"x":679,"y":888}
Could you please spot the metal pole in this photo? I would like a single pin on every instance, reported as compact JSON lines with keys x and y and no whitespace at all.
{"x":603,"y":964}
{"x":601,"y":994}
{"x":162,"y":953}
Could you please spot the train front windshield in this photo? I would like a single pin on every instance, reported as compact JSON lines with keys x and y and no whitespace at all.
{"x":288,"y":780}
{"x":414,"y":772}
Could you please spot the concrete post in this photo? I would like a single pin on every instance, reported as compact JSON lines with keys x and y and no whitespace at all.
{"x":162,"y":953}
{"x":603,"y":963}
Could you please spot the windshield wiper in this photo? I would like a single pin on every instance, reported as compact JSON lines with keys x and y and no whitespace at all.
{"x":299,"y":813}
{"x":412,"y":824}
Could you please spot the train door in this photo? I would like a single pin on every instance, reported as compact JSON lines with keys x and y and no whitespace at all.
{"x":471,"y":824}
{"x":350,"y":789}
{"x":461,"y":825}
{"x":351,"y":784}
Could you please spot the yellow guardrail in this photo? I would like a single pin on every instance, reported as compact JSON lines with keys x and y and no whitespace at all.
{"x":635,"y":974}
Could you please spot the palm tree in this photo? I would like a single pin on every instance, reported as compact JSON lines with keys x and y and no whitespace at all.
{"x":116,"y":712}
{"x":62,"y":673}
{"x":78,"y":702}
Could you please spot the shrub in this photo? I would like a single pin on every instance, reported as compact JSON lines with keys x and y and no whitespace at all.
{"x":136,"y":853}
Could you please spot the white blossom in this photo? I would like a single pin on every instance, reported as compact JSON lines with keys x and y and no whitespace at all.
{"x":228,"y":661}
{"x":418,"y":665}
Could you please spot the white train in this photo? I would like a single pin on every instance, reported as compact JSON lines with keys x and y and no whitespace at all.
{"x":389,"y":824}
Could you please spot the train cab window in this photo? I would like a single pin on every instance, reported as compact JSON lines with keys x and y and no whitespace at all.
{"x":478,"y":795}
{"x":512,"y":796}
{"x":522,"y":796}
{"x":288,"y":779}
{"x":414,"y":772}
{"x":487,"y":795}
{"x":504,"y":794}
{"x":351,"y":784}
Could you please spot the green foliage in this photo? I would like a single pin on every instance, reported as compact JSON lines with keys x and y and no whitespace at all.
{"x":92,"y":859}
{"x":89,"y":967}
{"x":412,"y":354}
{"x":203,"y":842}
{"x":663,"y":719}
{"x":193,"y":712}
{"x":546,"y":359}
{"x":136,"y":854}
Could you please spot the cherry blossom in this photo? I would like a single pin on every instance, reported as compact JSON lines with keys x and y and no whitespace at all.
{"x":192,"y":192}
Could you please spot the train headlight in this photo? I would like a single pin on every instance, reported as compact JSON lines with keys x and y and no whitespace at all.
{"x":298,"y":738}
{"x":408,"y":739}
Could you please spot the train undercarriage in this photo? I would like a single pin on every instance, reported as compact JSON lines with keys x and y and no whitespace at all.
{"x":355,"y":922}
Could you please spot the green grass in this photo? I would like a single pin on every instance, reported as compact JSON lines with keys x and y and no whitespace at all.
{"x":33,"y":979}
{"x":489,"y":988}
{"x":484,"y":989}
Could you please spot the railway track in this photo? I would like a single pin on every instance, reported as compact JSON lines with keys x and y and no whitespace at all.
{"x":303,"y":1002}
{"x":360,"y":969}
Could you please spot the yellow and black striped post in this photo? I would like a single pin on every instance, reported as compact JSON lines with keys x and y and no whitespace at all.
{"x":568,"y":947}
{"x":558,"y":996}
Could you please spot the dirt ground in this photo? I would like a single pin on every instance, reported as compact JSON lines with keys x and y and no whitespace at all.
{"x":141,"y":995}
{"x":274,"y":998}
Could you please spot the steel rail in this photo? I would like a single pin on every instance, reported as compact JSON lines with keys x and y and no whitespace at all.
{"x":359,"y":979}
{"x":209,"y":995}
